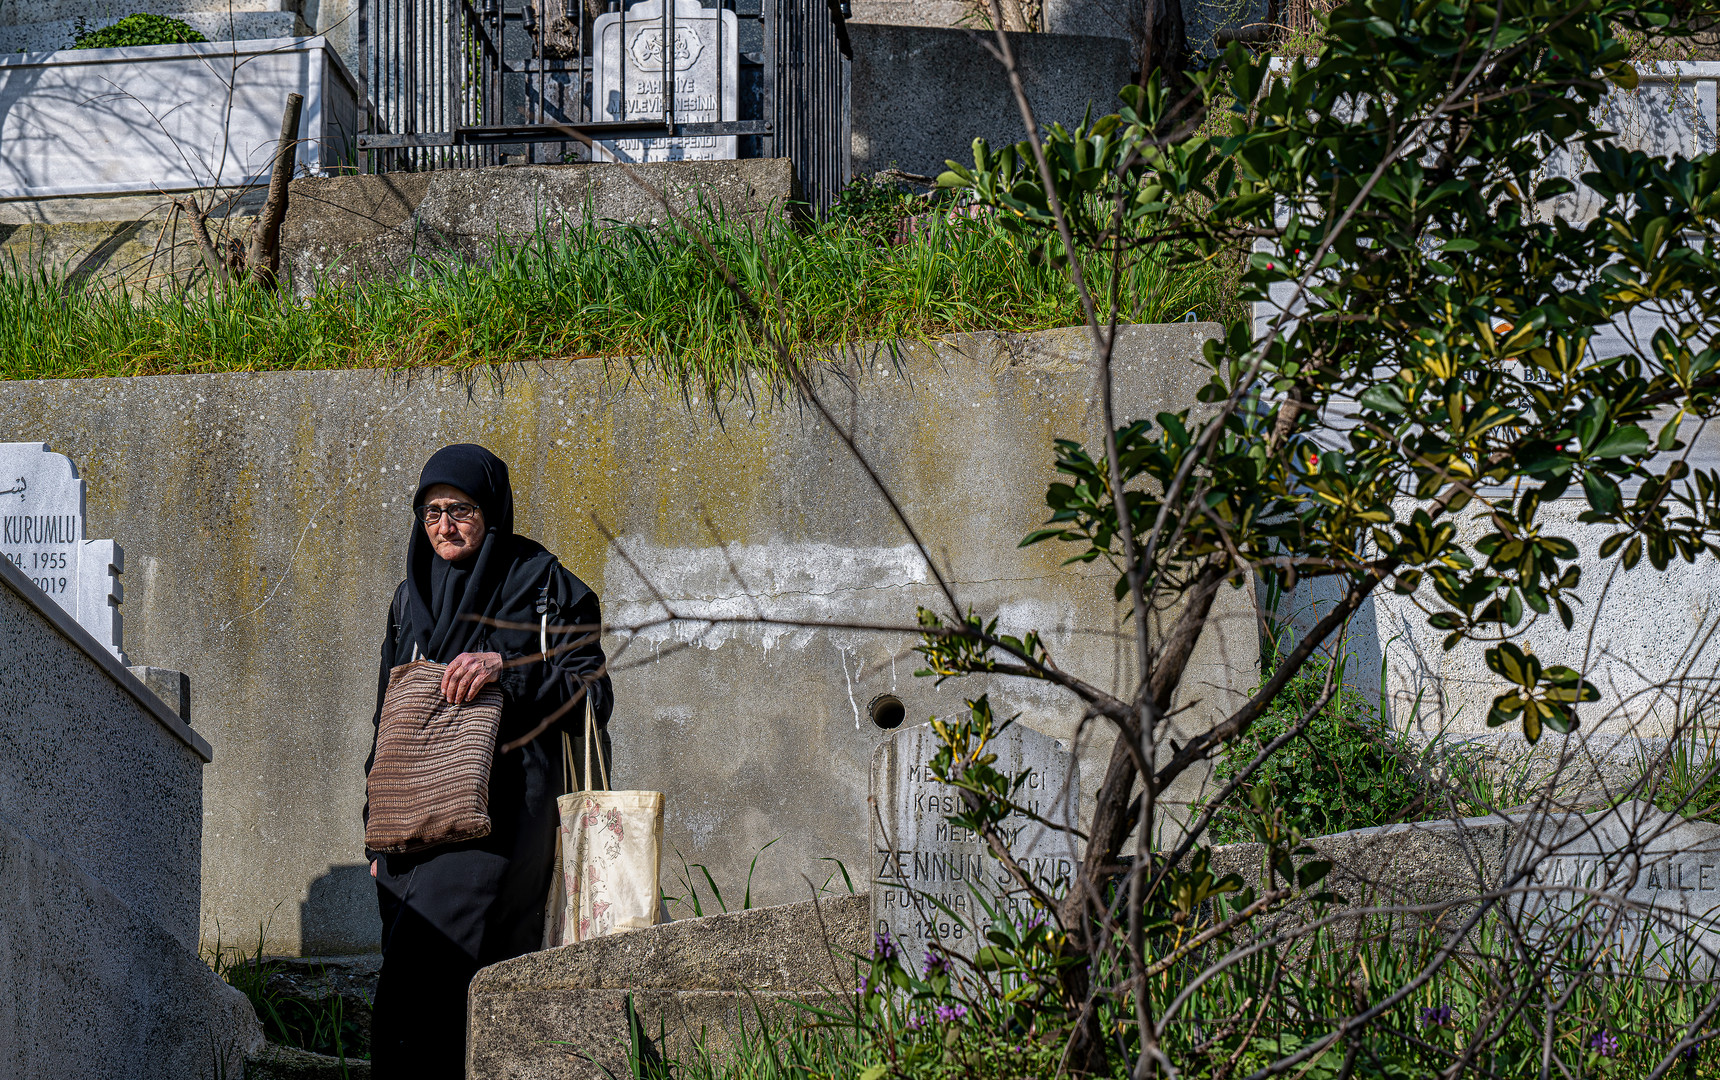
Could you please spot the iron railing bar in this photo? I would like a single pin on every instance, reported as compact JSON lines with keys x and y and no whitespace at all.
{"x":668,"y":87}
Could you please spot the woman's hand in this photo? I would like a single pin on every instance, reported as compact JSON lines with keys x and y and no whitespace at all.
{"x":468,"y":673}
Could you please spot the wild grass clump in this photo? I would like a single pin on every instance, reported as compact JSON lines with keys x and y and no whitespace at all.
{"x":580,"y":289}
{"x":321,"y":1025}
{"x":1684,"y":778}
{"x":1511,"y":1004}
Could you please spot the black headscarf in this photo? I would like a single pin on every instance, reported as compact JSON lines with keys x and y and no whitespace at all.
{"x":450,"y":606}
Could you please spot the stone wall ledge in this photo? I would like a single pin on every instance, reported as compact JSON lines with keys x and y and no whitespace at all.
{"x":783,"y":948}
{"x":566,"y":1013}
{"x":63,"y":621}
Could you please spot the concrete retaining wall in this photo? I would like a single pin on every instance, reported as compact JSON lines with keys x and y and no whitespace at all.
{"x":264,"y":521}
{"x":100,"y":816}
{"x":347,"y":227}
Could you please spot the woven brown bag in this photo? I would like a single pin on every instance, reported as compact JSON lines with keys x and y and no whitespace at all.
{"x":430,"y":782}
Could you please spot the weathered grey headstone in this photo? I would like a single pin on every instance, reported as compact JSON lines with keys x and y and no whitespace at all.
{"x":926,"y":870}
{"x":42,"y":533}
{"x":627,"y":80}
{"x":1659,"y":870}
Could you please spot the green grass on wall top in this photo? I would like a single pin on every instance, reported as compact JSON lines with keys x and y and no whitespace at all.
{"x":654,"y":296}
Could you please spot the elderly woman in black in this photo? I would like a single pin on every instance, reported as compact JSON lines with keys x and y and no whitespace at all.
{"x":471,"y":587}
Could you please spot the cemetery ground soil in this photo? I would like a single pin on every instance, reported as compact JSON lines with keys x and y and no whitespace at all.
{"x":653,"y":297}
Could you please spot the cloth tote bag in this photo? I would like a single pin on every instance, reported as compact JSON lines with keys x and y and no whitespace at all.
{"x":430,"y":782}
{"x":609,"y":851}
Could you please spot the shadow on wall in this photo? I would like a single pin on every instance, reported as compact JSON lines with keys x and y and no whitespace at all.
{"x":1311,"y":601}
{"x":338,"y":916}
{"x":922,"y":94}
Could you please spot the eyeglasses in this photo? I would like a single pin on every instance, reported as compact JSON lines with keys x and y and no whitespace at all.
{"x":460,"y":512}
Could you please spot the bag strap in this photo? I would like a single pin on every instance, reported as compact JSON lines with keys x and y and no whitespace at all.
{"x":591,"y":737}
{"x":566,"y":764}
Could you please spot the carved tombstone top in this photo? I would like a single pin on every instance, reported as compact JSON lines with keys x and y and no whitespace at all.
{"x":627,"y":78}
{"x":42,"y":534}
{"x":1664,"y":869}
{"x":926,"y":870}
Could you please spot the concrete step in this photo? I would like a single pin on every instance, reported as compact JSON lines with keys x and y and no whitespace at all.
{"x":48,"y":36}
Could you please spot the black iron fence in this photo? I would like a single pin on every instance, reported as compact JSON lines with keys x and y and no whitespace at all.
{"x":463,"y":83}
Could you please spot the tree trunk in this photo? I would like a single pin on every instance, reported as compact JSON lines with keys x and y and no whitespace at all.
{"x":1163,"y":40}
{"x":264,"y":260}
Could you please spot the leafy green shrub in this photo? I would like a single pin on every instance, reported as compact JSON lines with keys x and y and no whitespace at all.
{"x":1348,"y":770}
{"x":874,"y":206}
{"x":138,"y":29}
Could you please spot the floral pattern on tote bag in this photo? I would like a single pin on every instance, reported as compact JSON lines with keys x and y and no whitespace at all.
{"x":609,"y":849}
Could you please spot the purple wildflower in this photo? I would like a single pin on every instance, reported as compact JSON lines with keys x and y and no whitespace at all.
{"x":1436,"y":1016}
{"x":948,"y":1013}
{"x":936,"y":963}
{"x":916,"y":1022}
{"x":1604,"y":1043}
{"x":883,"y":948}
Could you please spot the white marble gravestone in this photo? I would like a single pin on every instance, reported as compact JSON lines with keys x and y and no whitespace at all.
{"x":42,"y":533}
{"x":921,"y":861}
{"x":1666,"y":869}
{"x":627,"y":82}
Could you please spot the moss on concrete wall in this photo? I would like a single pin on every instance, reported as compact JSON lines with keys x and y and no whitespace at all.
{"x":265,"y":517}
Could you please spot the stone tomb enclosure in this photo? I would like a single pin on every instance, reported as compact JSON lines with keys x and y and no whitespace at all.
{"x":1659,"y":871}
{"x":934,"y":881}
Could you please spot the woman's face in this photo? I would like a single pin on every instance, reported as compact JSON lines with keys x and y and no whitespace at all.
{"x":453,"y":540}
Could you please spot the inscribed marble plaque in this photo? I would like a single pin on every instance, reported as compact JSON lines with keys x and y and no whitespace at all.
{"x":1662,"y":871}
{"x":929,"y":875}
{"x":42,"y":534}
{"x":627,"y":82}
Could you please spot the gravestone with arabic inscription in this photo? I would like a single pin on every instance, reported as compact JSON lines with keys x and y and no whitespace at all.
{"x":932,"y":880}
{"x":1651,"y":869}
{"x":42,"y":534}
{"x":627,"y":81}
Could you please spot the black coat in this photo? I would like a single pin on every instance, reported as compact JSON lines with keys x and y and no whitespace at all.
{"x":488,"y":895}
{"x":449,"y":910}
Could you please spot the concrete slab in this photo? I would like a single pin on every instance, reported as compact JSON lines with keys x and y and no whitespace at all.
{"x":923,"y":94}
{"x":356,"y":227}
{"x":563,"y":1013}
